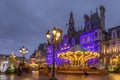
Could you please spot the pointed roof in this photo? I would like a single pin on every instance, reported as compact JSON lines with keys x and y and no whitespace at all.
{"x":117,"y":29}
{"x":95,"y":20}
{"x":77,"y":47}
{"x":71,"y":20}
{"x":102,"y":8}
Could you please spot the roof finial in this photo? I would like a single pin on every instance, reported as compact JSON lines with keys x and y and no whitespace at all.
{"x":78,"y":28}
{"x":91,"y":12}
{"x":71,"y":20}
{"x":96,"y":10}
{"x":81,"y":27}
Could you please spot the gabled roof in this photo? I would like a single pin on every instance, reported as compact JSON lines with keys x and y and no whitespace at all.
{"x":117,"y":28}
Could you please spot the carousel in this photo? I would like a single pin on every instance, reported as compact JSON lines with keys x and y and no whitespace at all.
{"x":78,"y":56}
{"x":33,"y":66}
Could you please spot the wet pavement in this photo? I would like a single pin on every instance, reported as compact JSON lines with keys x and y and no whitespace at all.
{"x":36,"y":76}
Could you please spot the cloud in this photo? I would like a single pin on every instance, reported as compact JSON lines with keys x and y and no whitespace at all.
{"x":25,"y":22}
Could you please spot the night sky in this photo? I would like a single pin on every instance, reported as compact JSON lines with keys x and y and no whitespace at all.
{"x":25,"y":22}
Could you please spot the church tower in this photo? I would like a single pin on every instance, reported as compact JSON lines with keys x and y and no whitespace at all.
{"x":71,"y":29}
{"x":102,"y":17}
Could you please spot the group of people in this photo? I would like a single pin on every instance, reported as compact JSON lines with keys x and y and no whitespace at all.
{"x":19,"y":71}
{"x":22,"y":69}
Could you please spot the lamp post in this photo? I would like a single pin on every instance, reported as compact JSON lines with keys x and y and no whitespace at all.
{"x":23,"y":51}
{"x":54,"y":39}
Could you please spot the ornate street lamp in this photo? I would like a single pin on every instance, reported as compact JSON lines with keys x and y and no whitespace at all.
{"x":23,"y":51}
{"x":54,"y":39}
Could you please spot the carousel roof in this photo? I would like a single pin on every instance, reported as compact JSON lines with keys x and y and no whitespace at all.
{"x":77,"y":48}
{"x":33,"y":64}
{"x":78,"y":53}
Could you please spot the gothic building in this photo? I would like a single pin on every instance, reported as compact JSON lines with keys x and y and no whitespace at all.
{"x":93,"y":37}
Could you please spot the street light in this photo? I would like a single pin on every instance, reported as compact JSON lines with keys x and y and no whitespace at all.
{"x":23,"y":51}
{"x":54,"y":39}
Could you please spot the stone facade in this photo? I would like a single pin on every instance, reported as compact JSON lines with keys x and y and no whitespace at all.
{"x":111,"y":47}
{"x":40,"y":54}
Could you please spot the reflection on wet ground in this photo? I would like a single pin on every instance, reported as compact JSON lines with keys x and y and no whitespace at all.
{"x":36,"y":76}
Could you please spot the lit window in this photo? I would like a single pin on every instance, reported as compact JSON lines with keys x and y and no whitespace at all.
{"x":114,"y":49}
{"x":96,"y":34}
{"x":114,"y":34}
{"x":88,"y":38}
{"x":82,"y":39}
{"x":73,"y":41}
{"x":108,"y":51}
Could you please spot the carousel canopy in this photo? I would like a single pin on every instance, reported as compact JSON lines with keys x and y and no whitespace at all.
{"x":77,"y":48}
{"x":78,"y":53}
{"x":33,"y":64}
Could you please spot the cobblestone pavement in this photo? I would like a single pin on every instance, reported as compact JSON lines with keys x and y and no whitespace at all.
{"x":24,"y":76}
{"x":36,"y":76}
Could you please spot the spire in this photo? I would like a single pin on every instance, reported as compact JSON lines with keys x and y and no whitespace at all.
{"x":102,"y":17}
{"x":71,"y":20}
{"x":71,"y":29}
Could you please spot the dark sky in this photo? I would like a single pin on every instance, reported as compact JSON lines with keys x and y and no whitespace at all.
{"x":25,"y":22}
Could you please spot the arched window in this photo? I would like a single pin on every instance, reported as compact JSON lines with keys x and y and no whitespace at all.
{"x":65,"y":39}
{"x":88,"y":25}
{"x":96,"y":34}
{"x":82,"y":40}
{"x":73,"y":41}
{"x":88,"y":38}
{"x":114,"y":34}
